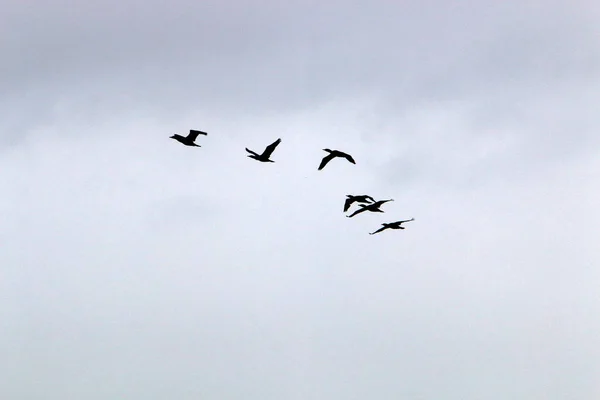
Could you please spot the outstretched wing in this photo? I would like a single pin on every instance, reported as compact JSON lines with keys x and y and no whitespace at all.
{"x":194,"y":134}
{"x":370,"y":198}
{"x":270,"y":148}
{"x":383,"y":228}
{"x":348,"y":157}
{"x":362,"y":209}
{"x":251,"y":152}
{"x":408,"y":220}
{"x":364,"y":199}
{"x":325,"y":160}
{"x":348,"y":203}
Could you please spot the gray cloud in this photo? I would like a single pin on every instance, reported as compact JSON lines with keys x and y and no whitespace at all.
{"x":135,"y":267}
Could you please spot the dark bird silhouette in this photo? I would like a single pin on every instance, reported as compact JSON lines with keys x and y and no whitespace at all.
{"x":373,"y":207}
{"x":264,"y":157}
{"x":391,"y":225}
{"x":190,"y":138}
{"x":333,"y":154}
{"x":358,"y":199}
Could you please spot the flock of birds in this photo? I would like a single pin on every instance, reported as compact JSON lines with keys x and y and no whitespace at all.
{"x":366,"y":203}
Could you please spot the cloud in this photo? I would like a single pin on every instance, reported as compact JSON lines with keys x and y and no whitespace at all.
{"x":133,"y":266}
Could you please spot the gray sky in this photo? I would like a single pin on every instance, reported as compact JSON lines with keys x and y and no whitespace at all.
{"x":134,"y":267}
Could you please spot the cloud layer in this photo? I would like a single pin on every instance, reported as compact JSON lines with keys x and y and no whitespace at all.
{"x":135,"y":267}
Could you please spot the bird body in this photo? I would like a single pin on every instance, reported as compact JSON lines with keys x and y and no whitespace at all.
{"x":391,"y":225}
{"x":373,"y":207}
{"x":264,"y":157}
{"x":333,"y":154}
{"x":350,"y":199}
{"x":190,"y":139}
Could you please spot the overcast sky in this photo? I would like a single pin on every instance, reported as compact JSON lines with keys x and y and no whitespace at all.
{"x":133,"y":267}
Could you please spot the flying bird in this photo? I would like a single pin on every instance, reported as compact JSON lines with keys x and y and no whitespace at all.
{"x":358,"y":199}
{"x":190,"y":138}
{"x":373,"y":207}
{"x":333,"y":154}
{"x":264,"y":157}
{"x":391,"y":225}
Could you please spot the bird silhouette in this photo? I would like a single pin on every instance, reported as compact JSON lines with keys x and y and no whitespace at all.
{"x":358,"y":199}
{"x":373,"y":207}
{"x":333,"y":154}
{"x":264,"y":157}
{"x":190,"y":138}
{"x":391,"y":225}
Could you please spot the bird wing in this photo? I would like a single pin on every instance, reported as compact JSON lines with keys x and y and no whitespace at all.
{"x":194,"y":134}
{"x":325,"y":160}
{"x":407,"y":220}
{"x":348,"y":157}
{"x":383,"y":228}
{"x":251,"y":152}
{"x":270,"y":148}
{"x":370,"y":198}
{"x":363,"y":208}
{"x":362,"y":199}
{"x":348,"y":203}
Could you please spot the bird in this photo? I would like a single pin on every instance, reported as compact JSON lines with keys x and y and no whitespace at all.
{"x":190,"y":138}
{"x":264,"y":157}
{"x":359,"y":199}
{"x":373,"y":207}
{"x":333,"y":154}
{"x":391,"y":225}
